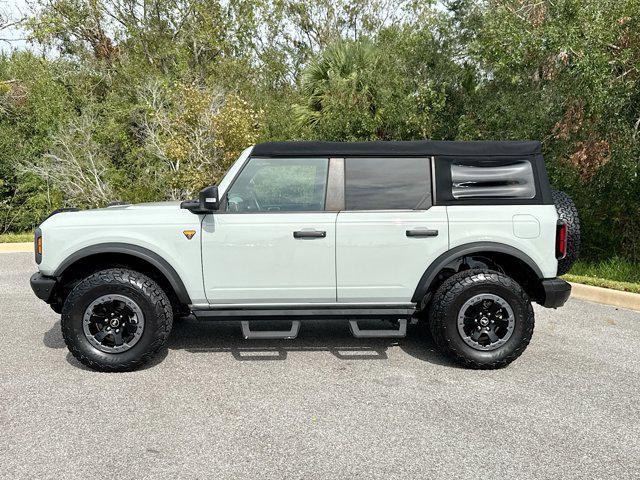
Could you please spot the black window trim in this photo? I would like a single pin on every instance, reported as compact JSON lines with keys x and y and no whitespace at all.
{"x":543,"y":188}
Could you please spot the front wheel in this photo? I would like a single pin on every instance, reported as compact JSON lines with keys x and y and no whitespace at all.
{"x":481,"y":319}
{"x":116,"y":320}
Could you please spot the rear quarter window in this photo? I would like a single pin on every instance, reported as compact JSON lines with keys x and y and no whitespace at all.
{"x":486,"y":180}
{"x":509,"y":180}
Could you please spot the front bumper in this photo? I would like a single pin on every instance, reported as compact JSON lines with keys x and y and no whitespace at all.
{"x":555,"y":292}
{"x":43,"y":286}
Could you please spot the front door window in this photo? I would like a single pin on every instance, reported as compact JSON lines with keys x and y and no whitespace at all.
{"x":280,"y":185}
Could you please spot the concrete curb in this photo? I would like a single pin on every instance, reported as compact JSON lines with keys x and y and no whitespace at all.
{"x":607,"y":296}
{"x":22,"y":247}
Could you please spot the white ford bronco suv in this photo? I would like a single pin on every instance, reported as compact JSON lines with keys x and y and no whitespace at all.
{"x":463,"y":235}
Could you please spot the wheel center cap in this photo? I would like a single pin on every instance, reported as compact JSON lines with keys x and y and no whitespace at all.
{"x":484,"y":321}
{"x":114,"y":322}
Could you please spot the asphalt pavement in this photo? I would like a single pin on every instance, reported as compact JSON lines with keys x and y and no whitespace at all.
{"x":323,"y":406}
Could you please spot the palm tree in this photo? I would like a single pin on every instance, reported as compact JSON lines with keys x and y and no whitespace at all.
{"x":339,"y":79}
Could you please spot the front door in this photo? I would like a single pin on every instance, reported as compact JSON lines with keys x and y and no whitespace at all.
{"x":389,"y":232}
{"x":272,"y":241}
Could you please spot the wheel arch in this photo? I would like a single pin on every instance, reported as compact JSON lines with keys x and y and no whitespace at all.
{"x":511,"y":260}
{"x":104,"y":255}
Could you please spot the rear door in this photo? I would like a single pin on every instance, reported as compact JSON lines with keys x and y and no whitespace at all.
{"x":389,"y":232}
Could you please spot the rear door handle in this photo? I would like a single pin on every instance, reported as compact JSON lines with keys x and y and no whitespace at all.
{"x":422,"y":232}
{"x":309,"y":234}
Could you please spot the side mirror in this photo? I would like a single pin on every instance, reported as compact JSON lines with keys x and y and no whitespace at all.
{"x":208,"y":201}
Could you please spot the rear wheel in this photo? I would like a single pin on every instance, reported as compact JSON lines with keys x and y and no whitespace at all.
{"x":481,"y":319}
{"x":116,"y":320}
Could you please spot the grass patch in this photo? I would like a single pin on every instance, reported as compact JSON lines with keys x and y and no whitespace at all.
{"x":16,"y":237}
{"x":604,"y":283}
{"x":613,"y":269}
{"x":614,"y":273}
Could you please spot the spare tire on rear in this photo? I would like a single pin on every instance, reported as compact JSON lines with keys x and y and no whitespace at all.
{"x":568,"y":213}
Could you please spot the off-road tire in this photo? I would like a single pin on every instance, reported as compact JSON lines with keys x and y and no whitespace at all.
{"x":446,"y":304}
{"x":152,"y":300}
{"x":568,"y":213}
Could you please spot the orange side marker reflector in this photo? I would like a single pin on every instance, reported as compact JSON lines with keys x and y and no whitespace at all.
{"x":40,"y":245}
{"x":189,"y":234}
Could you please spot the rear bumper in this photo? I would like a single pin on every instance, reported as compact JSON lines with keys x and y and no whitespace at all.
{"x":43,"y":286}
{"x":556,"y":292}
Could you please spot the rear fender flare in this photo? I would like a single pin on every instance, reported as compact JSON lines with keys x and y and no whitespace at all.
{"x":463,"y":250}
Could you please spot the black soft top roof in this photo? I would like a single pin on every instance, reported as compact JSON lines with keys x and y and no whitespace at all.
{"x":417,"y":148}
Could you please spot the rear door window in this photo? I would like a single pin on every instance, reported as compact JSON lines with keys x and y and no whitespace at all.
{"x":387,"y":183}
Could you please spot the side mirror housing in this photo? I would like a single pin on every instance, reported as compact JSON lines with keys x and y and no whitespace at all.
{"x":208,"y":201}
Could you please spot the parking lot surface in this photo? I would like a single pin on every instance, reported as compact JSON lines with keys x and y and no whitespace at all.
{"x":322,"y":406}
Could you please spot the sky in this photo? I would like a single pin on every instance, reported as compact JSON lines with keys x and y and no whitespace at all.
{"x":14,"y":9}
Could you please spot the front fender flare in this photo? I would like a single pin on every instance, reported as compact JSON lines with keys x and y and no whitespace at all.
{"x":142,"y":253}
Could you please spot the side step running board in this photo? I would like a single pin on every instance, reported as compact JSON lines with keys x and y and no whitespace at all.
{"x":270,"y":334}
{"x":292,"y":333}
{"x":400,"y":332}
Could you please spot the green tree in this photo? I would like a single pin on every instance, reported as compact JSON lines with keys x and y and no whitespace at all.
{"x":162,"y":94}
{"x":565,"y":72}
{"x":400,"y":86}
{"x":33,"y":103}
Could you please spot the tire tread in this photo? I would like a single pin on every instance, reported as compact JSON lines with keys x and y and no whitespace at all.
{"x":568,"y":212}
{"x":446,"y":295}
{"x":149,"y":288}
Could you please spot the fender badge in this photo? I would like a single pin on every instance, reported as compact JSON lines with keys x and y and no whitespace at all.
{"x":189,"y":234}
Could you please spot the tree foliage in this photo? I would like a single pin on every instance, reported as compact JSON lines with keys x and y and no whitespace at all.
{"x":142,"y":100}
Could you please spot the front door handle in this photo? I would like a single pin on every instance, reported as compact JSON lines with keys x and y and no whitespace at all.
{"x":309,"y":234}
{"x":422,"y":232}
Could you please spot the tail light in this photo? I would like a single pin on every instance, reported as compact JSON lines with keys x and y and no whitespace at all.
{"x":561,"y":240}
{"x":38,"y":245}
